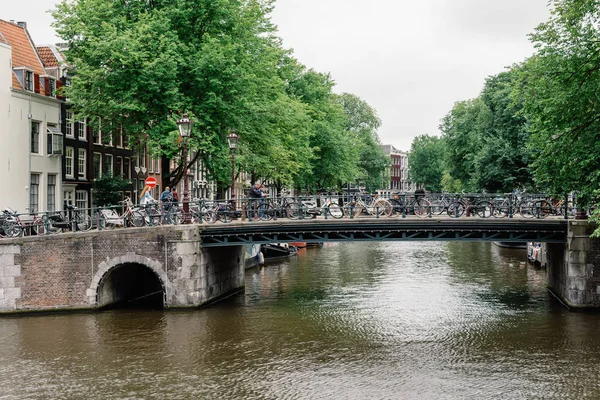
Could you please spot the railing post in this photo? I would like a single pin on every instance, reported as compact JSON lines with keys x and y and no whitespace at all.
{"x":456,"y":206}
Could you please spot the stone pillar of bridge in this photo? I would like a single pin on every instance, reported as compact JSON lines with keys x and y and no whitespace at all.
{"x":574,"y":267}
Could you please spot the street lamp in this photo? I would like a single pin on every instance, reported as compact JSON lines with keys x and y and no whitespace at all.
{"x":232,"y":140}
{"x":185,"y":128}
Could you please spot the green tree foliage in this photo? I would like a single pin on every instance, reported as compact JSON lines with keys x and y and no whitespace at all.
{"x":487,"y":139}
{"x":142,"y":64}
{"x":107,"y":190}
{"x":559,"y":90}
{"x":335,"y":149}
{"x":426,"y":162}
{"x":361,"y":126}
{"x":139,"y":65}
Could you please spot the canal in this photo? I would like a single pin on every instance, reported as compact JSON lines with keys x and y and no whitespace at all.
{"x":413,"y":320}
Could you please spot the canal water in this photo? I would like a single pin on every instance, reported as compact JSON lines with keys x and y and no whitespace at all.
{"x":398,"y":320}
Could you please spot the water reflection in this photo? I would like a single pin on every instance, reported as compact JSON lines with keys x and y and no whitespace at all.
{"x":346,"y":321}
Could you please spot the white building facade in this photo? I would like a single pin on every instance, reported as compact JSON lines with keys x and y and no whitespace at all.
{"x":30,"y":139}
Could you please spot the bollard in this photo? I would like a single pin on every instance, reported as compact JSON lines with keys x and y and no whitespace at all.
{"x":510,"y":206}
{"x":326,"y":211}
{"x":403,"y":206}
{"x":377,"y":212}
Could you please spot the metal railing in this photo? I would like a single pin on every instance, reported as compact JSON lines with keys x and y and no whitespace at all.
{"x":299,"y":208}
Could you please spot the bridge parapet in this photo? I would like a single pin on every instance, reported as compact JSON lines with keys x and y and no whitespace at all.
{"x":79,"y":270}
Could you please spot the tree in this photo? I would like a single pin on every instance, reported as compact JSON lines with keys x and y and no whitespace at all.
{"x":559,"y":91}
{"x":141,"y":64}
{"x":426,"y":162}
{"x":107,"y":190}
{"x":362,"y":123}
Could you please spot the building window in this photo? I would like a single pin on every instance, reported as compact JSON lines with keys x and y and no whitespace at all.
{"x":81,"y":163}
{"x":69,"y":125}
{"x":34,"y":193}
{"x":29,"y":81}
{"x":81,"y":199}
{"x":51,"y":193}
{"x":97,"y":165}
{"x":69,"y":162}
{"x":119,"y":166}
{"x":108,"y":164}
{"x":81,"y":130}
{"x":35,"y":137}
{"x":55,"y":141}
{"x":126,"y":168}
{"x":96,"y":131}
{"x":125,"y":140}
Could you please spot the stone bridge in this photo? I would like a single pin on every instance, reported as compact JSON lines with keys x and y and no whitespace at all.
{"x":193,"y":265}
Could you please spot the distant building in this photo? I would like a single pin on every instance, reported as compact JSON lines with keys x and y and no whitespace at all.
{"x":398,"y":171}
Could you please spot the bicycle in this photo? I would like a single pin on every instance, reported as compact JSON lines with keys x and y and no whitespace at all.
{"x":374,"y":206}
{"x":308,"y":206}
{"x":202,"y":210}
{"x":70,"y":218}
{"x":110,"y":218}
{"x":18,"y":227}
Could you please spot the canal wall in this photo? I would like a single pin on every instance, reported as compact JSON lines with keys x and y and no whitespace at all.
{"x":73,"y":271}
{"x":574,"y":268}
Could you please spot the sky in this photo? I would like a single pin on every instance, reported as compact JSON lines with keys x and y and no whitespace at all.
{"x":410,"y":60}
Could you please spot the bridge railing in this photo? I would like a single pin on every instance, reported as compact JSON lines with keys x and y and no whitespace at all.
{"x":303,"y":207}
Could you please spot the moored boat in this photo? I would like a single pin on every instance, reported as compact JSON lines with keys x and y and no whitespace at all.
{"x":299,"y":245}
{"x":272,"y":251}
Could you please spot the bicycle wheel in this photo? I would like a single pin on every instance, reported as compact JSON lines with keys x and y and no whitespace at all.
{"x":292,"y":210}
{"x":541,"y":209}
{"x":224,"y":215}
{"x":383,"y":208}
{"x":50,"y":229}
{"x":483,"y":209}
{"x":526,"y":209}
{"x":265,"y":212}
{"x":209,"y":216}
{"x":84,"y":221}
{"x":456,"y":209}
{"x":422,"y":208}
{"x":335,"y":211}
{"x":438,"y":206}
{"x":137,"y":219}
{"x":38,"y":227}
{"x":500,"y":209}
{"x":351,"y":210}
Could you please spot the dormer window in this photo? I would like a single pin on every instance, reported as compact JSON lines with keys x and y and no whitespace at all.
{"x":26,"y":78}
{"x":28,"y":81}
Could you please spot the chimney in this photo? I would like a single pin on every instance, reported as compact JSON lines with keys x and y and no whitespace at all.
{"x":22,"y":24}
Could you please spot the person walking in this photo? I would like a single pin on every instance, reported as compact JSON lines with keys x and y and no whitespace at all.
{"x":166,"y":199}
{"x":146,"y":200}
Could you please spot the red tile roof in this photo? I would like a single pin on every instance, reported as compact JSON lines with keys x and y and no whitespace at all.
{"x":47,"y":56}
{"x":23,"y":49}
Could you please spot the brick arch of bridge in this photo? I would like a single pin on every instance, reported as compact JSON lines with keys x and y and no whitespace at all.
{"x":105,"y":267}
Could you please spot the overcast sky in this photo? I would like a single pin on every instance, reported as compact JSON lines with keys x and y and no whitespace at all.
{"x":409,"y":59}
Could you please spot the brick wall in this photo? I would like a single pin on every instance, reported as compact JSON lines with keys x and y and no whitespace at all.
{"x":64,"y":271}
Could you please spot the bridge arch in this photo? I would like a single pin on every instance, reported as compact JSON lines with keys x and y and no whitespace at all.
{"x":115,"y":280}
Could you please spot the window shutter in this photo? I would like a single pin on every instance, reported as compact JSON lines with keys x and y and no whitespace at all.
{"x":47,"y":86}
{"x":36,"y":82}
{"x":59,"y":84}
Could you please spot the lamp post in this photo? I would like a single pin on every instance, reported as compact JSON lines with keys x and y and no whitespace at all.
{"x":185,"y":128}
{"x":232,"y":140}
